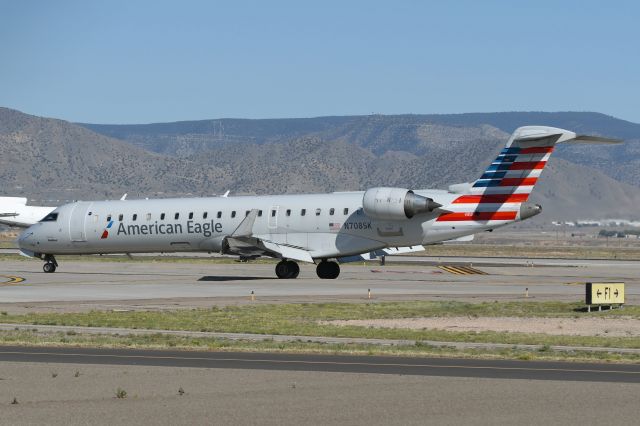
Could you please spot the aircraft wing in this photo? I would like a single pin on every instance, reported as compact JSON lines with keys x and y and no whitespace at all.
{"x":381,"y":252}
{"x":243,"y":243}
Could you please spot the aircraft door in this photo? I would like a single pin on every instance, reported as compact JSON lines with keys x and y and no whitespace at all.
{"x":89,"y":221}
{"x":273,"y":218}
{"x":77,"y":222}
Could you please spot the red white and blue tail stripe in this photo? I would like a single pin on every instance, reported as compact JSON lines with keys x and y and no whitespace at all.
{"x":497,"y":197}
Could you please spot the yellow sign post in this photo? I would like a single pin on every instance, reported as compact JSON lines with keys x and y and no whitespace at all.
{"x":604,"y":294}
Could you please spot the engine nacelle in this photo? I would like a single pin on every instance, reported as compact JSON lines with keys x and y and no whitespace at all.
{"x":395,"y":204}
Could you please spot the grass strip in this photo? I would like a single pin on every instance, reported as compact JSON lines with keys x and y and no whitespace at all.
{"x":159,"y":341}
{"x":304,"y":320}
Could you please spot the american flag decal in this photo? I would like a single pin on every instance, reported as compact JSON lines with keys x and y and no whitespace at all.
{"x":334,"y":226}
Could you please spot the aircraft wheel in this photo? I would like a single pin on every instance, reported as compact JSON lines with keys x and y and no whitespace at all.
{"x":328,"y":270}
{"x":49,"y":267}
{"x":282,"y":269}
{"x":295,"y":269}
{"x":287,"y":269}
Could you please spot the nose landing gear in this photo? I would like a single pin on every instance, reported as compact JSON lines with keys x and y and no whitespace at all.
{"x":50,"y":264}
{"x":287,"y":269}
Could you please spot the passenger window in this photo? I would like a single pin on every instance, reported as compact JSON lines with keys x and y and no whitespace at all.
{"x":109,"y":218}
{"x":303,"y":212}
{"x":331,"y":212}
{"x":148,"y":216}
{"x":318,"y":212}
{"x":233,"y":213}
{"x":120,"y":217}
{"x":288,"y":212}
{"x":161,"y":216}
{"x":191,"y":215}
{"x":51,"y":217}
{"x":219,"y":215}
{"x":259,"y":212}
{"x":135,"y":217}
{"x":204,"y":215}
{"x":176,"y":216}
{"x":246,"y":213}
{"x":345,"y":212}
{"x":273,"y":213}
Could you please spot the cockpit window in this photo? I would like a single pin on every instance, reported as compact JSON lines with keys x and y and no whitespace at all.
{"x":51,"y":217}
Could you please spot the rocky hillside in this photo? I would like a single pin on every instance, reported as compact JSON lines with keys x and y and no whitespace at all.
{"x":50,"y":159}
{"x":56,"y":160}
{"x":379,"y":134}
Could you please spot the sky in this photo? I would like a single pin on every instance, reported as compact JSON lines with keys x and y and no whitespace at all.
{"x":156,"y":61}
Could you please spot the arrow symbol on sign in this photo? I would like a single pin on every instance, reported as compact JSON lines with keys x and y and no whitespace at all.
{"x":599,"y":293}
{"x":616,"y":293}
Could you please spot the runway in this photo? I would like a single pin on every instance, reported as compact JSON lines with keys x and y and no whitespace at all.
{"x":494,"y":369}
{"x":92,"y":284}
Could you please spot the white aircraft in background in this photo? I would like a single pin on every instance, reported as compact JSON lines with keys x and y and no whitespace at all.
{"x":317,"y":228}
{"x":14,"y":211}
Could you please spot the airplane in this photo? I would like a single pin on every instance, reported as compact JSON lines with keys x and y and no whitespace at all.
{"x":15,"y":212}
{"x":324,"y":229}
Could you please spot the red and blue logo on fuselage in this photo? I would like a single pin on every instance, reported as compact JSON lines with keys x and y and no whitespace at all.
{"x":105,"y":233}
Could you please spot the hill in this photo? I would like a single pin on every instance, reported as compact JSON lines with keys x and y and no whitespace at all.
{"x":380,"y":134}
{"x":53,"y":159}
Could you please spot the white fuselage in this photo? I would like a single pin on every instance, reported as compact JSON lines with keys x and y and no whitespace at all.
{"x":14,"y":211}
{"x":326,"y":225}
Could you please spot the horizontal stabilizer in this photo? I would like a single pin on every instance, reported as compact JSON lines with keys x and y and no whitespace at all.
{"x":595,"y":140}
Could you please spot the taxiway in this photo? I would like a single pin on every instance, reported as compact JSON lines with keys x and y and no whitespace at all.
{"x":93,"y":284}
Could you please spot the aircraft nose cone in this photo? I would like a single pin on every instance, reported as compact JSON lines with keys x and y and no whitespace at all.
{"x":26,"y":239}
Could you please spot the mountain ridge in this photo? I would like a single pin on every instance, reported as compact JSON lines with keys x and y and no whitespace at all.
{"x":57,"y":160}
{"x":381,"y":133}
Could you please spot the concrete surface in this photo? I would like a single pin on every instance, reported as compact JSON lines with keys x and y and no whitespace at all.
{"x":84,"y":285}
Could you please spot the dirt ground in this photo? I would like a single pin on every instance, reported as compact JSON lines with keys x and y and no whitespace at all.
{"x":613,"y":327}
{"x":83,"y":394}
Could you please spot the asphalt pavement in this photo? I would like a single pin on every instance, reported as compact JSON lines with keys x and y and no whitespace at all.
{"x":410,"y":366}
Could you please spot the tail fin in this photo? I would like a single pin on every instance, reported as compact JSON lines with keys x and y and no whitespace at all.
{"x":500,"y":193}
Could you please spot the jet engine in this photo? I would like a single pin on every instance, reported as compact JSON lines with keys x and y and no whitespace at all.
{"x":395,"y":203}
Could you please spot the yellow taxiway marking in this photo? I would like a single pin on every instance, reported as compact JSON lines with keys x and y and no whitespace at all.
{"x":462,"y":270}
{"x":300,"y":362}
{"x":11,"y":279}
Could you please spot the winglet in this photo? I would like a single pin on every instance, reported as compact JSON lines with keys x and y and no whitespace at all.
{"x":245,"y":229}
{"x":226,"y":194}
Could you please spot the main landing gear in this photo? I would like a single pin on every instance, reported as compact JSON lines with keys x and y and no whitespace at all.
{"x":287,"y":269}
{"x":50,"y":263}
{"x":328,"y":270}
